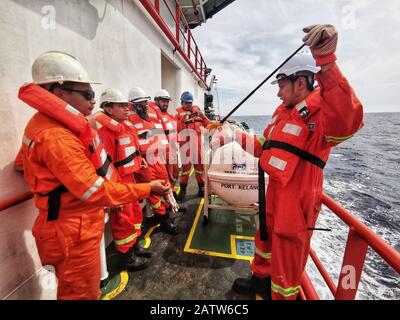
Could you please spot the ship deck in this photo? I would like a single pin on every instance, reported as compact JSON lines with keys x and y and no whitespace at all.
{"x":193,"y":265}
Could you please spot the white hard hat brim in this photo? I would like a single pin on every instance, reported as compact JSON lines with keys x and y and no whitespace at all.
{"x":127,"y":102}
{"x":62,"y":81}
{"x":164,"y":98}
{"x":141,"y":99}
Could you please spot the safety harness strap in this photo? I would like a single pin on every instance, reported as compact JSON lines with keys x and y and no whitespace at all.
{"x":127,"y":159}
{"x":296,"y":151}
{"x":102,"y":171}
{"x":261,"y":204}
{"x":54,"y":202}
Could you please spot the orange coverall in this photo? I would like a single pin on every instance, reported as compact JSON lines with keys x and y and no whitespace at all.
{"x":72,"y":242}
{"x":168,"y":122}
{"x":154,"y":147}
{"x":126,"y":224}
{"x":292,"y":209}
{"x":191,"y":143}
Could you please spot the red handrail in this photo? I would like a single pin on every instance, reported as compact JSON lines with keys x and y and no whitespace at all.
{"x":323,"y":272}
{"x":11,"y":202}
{"x":308,"y":290}
{"x":360,"y":238}
{"x":199,"y":67}
{"x":388,"y":253}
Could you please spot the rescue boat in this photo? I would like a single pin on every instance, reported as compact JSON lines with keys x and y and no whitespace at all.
{"x":153,"y":38}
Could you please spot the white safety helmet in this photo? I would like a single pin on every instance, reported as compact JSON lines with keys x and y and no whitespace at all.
{"x":162,"y":94}
{"x":137,"y":95}
{"x":57,"y":66}
{"x":302,"y":61}
{"x":112,"y":95}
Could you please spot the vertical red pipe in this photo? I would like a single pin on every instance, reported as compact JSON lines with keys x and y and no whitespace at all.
{"x":196,"y":61}
{"x":178,"y":23}
{"x":353,"y":262}
{"x":308,"y":288}
{"x":189,"y":43}
{"x":323,"y":271}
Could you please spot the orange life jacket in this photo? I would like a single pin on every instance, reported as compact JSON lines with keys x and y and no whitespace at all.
{"x":196,"y":121}
{"x":57,"y":109}
{"x":151,"y":133}
{"x":168,"y":122}
{"x":127,"y":154}
{"x":285,"y":140}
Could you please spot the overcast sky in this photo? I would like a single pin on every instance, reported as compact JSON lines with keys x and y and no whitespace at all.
{"x":248,"y":39}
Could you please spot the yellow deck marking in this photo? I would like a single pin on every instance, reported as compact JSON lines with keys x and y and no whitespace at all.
{"x":233,"y":255}
{"x":124,"y":281}
{"x":147,"y":237}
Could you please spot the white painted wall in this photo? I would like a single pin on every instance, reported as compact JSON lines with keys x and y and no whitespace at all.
{"x":119,"y":46}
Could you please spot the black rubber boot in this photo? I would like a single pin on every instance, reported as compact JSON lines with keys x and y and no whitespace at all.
{"x":253,"y":285}
{"x":167,"y":225}
{"x":140,"y":251}
{"x":129,"y":261}
{"x":182,"y":193}
{"x":201,"y":190}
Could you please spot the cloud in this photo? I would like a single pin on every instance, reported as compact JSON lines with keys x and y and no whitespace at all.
{"x":245,"y":42}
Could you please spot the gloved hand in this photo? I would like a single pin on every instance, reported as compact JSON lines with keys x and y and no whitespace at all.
{"x":322,"y":40}
{"x":214,"y":125}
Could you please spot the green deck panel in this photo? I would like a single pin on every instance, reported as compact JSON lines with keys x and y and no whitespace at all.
{"x":113,"y":285}
{"x":216,"y":236}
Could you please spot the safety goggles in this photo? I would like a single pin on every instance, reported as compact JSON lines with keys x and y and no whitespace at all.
{"x":87,"y":94}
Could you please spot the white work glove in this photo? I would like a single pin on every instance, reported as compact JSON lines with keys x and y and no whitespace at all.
{"x":322,"y":40}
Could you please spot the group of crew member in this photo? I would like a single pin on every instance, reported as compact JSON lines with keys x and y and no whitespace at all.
{"x":79,"y":170}
{"x":130,"y":151}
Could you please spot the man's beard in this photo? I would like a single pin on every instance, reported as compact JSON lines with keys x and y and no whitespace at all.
{"x":142,"y":112}
{"x":163,"y":109}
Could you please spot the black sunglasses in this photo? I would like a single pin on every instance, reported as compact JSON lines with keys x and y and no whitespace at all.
{"x":87,"y":94}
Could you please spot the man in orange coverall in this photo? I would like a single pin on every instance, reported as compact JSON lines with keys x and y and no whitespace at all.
{"x":70,"y":174}
{"x":121,"y":141}
{"x":190,"y":122}
{"x":154,"y":147}
{"x":168,"y":121}
{"x":293,"y":151}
